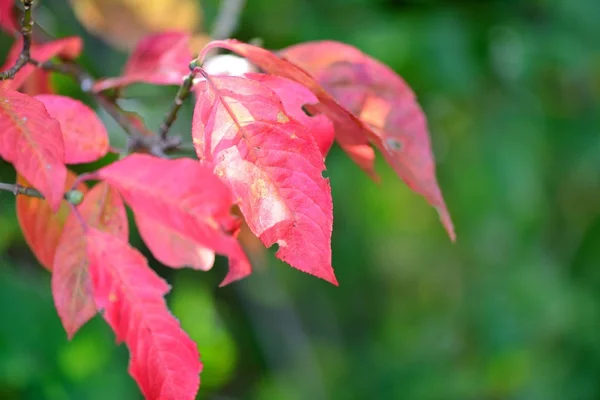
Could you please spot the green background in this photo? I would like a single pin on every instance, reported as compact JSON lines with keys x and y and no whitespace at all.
{"x":510,"y":311}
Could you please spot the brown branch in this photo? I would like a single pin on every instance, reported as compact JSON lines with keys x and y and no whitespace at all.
{"x":182,"y":93}
{"x":72,"y":196}
{"x":24,"y":56}
{"x":140,"y":137}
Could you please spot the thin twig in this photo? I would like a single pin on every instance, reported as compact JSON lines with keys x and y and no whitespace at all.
{"x":227,"y":19}
{"x":72,"y":196}
{"x":26,"y":28}
{"x":182,"y":94}
{"x":141,"y":138}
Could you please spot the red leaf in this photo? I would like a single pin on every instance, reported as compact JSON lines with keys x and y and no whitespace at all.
{"x":351,"y":134}
{"x":158,"y":59}
{"x":273,"y":166}
{"x":164,"y":361}
{"x":67,"y":48}
{"x":8,"y":17}
{"x":102,"y":209}
{"x":172,"y":248}
{"x":41,"y":227}
{"x":85,"y":136}
{"x":381,"y":99}
{"x":294,"y":96}
{"x":179,"y":196}
{"x":32,"y":141}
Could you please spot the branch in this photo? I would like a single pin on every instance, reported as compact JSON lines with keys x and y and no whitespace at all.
{"x":140,"y":137}
{"x":72,"y":196}
{"x":182,"y":94}
{"x":26,"y":28}
{"x":227,"y":19}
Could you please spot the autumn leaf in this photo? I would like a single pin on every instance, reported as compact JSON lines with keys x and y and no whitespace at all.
{"x":273,"y":166}
{"x":172,"y":248}
{"x":102,"y":209}
{"x":8,"y":17}
{"x":294,"y":96}
{"x":68,"y":48}
{"x":382,"y":99}
{"x":350,"y":133}
{"x":123,"y":23}
{"x":185,"y":201}
{"x":84,"y":134}
{"x":160,"y":59}
{"x":32,"y":141}
{"x":41,"y":227}
{"x":163,"y":360}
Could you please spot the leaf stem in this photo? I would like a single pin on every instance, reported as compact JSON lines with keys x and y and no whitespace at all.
{"x":182,"y":93}
{"x":72,"y":196}
{"x":24,"y":56}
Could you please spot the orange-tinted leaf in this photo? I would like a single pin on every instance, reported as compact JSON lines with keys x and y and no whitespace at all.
{"x":272,"y":164}
{"x":32,"y":141}
{"x":160,"y":59}
{"x":103,"y":209}
{"x":41,"y":227}
{"x":84,"y":134}
{"x":381,"y":99}
{"x":8,"y":17}
{"x":183,"y":197}
{"x":122,"y":23}
{"x":350,"y":133}
{"x":68,"y":48}
{"x":172,"y":248}
{"x":294,"y":96}
{"x":164,"y":361}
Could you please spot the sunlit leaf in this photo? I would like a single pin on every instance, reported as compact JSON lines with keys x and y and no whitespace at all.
{"x":32,"y":141}
{"x":272,"y":164}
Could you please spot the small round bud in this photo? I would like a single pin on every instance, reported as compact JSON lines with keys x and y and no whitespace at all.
{"x":74,"y":197}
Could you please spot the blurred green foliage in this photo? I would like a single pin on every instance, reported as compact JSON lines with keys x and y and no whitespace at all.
{"x":511,"y":311}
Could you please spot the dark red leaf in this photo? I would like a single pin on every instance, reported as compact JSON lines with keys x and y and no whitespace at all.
{"x":41,"y":227}
{"x":8,"y":17}
{"x":381,"y":99}
{"x":164,"y":361}
{"x":294,"y":96}
{"x":69,"y":48}
{"x":32,"y":141}
{"x":272,"y":164}
{"x":102,"y":209}
{"x":85,"y":136}
{"x":179,"y":196}
{"x":351,"y":134}
{"x":158,"y":59}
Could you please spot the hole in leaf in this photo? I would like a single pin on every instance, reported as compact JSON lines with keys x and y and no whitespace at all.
{"x":394,"y":144}
{"x":310,"y":110}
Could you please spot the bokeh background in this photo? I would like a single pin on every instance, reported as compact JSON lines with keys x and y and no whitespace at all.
{"x":511,"y":311}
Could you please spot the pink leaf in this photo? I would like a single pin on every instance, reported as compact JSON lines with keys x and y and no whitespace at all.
{"x":294,"y":96}
{"x":32,"y":141}
{"x":273,"y":166}
{"x":102,"y":209}
{"x":351,"y":134}
{"x":172,"y":248}
{"x":164,"y":361}
{"x":85,"y":136}
{"x":381,"y":99}
{"x":180,"y":196}
{"x":158,"y":59}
